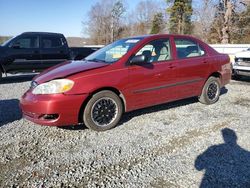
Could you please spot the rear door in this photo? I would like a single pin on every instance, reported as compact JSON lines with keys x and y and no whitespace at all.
{"x":53,"y":50}
{"x":24,"y":54}
{"x":153,"y":82}
{"x":193,"y":66}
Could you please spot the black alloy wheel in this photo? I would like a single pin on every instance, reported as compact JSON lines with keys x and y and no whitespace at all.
{"x":211,"y":91}
{"x":103,"y":111}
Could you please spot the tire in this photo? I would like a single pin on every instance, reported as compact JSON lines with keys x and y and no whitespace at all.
{"x":211,"y":91}
{"x":103,"y":111}
{"x":236,"y":76}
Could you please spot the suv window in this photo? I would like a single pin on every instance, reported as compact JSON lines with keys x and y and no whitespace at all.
{"x":51,"y":42}
{"x":156,"y":51}
{"x":187,"y":48}
{"x":27,"y":42}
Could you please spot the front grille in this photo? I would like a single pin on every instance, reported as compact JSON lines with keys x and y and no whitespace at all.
{"x":246,"y":64}
{"x":243,"y":61}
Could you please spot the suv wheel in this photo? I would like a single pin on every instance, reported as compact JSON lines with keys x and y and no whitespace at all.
{"x":235,"y":76}
{"x":211,"y":91}
{"x":103,"y":111}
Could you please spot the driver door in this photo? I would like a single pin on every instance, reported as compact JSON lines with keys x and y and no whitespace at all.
{"x":24,"y":54}
{"x":152,"y":83}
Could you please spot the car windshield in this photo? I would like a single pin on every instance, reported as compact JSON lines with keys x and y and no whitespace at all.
{"x":113,"y":52}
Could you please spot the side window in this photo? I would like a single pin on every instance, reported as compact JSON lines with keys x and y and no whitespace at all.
{"x":187,"y":48}
{"x":156,"y":51}
{"x":51,"y":42}
{"x":26,"y":42}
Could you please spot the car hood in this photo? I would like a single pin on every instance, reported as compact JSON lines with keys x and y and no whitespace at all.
{"x":244,"y":54}
{"x":66,"y":69}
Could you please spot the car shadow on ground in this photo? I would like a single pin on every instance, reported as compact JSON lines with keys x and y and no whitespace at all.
{"x":17,"y":79}
{"x":73,"y":127}
{"x":223,"y":91}
{"x":9,"y":111}
{"x":225,"y":165}
{"x":129,"y":115}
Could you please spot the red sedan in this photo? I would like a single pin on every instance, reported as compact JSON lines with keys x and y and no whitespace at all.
{"x":128,"y":74}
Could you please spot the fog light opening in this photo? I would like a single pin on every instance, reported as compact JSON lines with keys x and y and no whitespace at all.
{"x":49,"y":116}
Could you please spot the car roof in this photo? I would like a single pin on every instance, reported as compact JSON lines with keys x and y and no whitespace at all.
{"x":159,"y":35}
{"x":42,"y":33}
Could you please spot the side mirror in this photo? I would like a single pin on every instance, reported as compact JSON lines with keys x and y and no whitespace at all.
{"x":16,"y":46}
{"x":139,"y":59}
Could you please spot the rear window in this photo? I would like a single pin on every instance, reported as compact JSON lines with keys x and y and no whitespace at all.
{"x":187,"y":48}
{"x":51,"y":42}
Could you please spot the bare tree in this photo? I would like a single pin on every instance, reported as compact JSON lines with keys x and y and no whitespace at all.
{"x":144,"y":15}
{"x":229,"y":8}
{"x":104,"y":23}
{"x":117,"y":12}
{"x":109,"y":21}
{"x":204,"y":13}
{"x":225,"y":21}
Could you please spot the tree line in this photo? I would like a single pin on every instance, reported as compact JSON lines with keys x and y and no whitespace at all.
{"x":4,"y":38}
{"x":213,"y":21}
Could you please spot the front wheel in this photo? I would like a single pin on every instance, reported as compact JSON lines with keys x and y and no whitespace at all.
{"x":103,"y":111}
{"x":211,"y":91}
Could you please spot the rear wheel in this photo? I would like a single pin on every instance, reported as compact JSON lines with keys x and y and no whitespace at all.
{"x":103,"y":111}
{"x":211,"y":91}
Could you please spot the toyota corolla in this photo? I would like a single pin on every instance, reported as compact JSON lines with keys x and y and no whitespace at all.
{"x":126,"y":75}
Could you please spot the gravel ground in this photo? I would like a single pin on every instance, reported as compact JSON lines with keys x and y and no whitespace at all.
{"x":179,"y":144}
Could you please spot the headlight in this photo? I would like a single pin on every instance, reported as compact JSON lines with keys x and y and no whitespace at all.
{"x":239,"y":61}
{"x":54,"y":86}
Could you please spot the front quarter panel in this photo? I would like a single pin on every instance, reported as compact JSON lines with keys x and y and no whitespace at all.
{"x":110,"y":76}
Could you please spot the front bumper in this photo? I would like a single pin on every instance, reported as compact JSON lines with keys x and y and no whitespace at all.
{"x":62,"y":109}
{"x":241,"y":70}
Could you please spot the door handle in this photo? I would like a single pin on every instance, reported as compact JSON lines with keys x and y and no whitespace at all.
{"x":172,"y":66}
{"x":204,"y":61}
